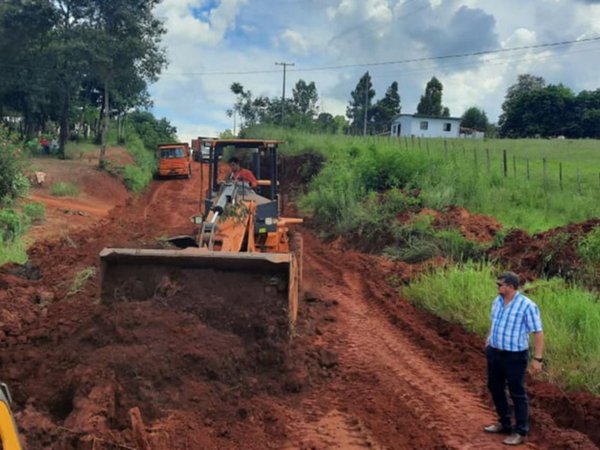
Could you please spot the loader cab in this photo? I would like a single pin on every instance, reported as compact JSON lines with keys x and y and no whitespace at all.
{"x":259,"y":156}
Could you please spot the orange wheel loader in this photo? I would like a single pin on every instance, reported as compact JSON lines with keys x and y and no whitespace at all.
{"x":9,"y":437}
{"x":240,"y":268}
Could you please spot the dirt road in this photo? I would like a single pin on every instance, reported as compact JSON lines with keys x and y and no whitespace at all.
{"x":365,"y":369}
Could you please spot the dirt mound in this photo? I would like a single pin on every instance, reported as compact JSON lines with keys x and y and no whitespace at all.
{"x":551,"y":253}
{"x":474,"y":227}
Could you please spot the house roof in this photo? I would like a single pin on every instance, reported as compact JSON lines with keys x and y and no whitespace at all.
{"x":424,"y":116}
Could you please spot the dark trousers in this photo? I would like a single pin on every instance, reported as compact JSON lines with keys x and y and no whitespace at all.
{"x":508,"y":369}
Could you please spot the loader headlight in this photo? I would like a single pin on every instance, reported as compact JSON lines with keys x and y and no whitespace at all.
{"x":197,"y":220}
{"x":269,"y":221}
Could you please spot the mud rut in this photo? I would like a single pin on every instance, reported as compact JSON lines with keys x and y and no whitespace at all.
{"x":365,"y":369}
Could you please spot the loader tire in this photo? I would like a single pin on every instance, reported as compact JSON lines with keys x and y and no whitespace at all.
{"x":297,"y":248}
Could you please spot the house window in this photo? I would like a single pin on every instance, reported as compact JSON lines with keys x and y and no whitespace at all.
{"x":424,"y":125}
{"x":447,"y":126}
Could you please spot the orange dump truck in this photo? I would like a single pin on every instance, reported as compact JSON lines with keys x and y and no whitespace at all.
{"x":174,"y":160}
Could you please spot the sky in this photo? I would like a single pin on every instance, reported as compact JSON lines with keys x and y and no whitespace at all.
{"x":212,"y":43}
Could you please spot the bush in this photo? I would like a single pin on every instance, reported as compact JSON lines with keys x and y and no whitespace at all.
{"x":35,"y":211}
{"x":12,"y":225}
{"x":11,"y":177}
{"x":136,"y":178}
{"x":589,"y":247}
{"x":62,"y":189}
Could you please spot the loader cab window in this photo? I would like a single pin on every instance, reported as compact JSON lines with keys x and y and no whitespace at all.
{"x":170,"y":153}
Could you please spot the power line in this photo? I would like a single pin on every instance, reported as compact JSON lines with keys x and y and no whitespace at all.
{"x":401,"y":61}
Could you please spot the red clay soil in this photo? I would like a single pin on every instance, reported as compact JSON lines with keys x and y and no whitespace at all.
{"x":364,"y":368}
{"x":551,"y":253}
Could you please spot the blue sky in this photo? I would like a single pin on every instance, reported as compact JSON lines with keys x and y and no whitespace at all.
{"x":216,"y":36}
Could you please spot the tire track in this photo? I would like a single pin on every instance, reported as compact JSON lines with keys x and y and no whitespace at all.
{"x":370,"y":348}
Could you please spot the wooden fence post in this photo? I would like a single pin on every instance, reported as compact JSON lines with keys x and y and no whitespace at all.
{"x":504,"y":163}
{"x":560,"y":176}
{"x":544,"y":167}
{"x":475,"y":156}
{"x":579,"y":181}
{"x":514,"y":166}
{"x":487,"y":160}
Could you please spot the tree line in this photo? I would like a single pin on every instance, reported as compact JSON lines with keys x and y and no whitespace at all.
{"x":532,"y":108}
{"x":76,"y":63}
{"x":364,"y":114}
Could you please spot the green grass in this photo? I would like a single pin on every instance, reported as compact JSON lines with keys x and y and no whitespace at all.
{"x":13,"y":251}
{"x":571,"y":317}
{"x":35,"y":211}
{"x":74,"y":150}
{"x":138,"y":177}
{"x":81,"y":279}
{"x":454,"y":172}
{"x":64,"y":189}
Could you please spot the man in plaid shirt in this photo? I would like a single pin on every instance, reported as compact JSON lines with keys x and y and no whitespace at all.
{"x":513,"y":318}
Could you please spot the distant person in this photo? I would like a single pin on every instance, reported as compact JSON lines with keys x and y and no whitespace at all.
{"x":513,"y":318}
{"x":45,"y":145}
{"x":240,"y":174}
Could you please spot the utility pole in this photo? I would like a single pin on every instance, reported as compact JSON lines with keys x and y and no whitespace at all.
{"x":365,"y":107}
{"x":284,"y":64}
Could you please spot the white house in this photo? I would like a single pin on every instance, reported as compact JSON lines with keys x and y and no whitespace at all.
{"x":425,"y":126}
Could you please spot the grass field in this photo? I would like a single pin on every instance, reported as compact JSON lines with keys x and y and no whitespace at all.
{"x":463,"y":172}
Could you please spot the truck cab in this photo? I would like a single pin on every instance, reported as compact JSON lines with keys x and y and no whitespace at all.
{"x":174,"y":160}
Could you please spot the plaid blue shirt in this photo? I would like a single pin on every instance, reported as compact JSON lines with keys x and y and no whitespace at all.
{"x":511,"y":324}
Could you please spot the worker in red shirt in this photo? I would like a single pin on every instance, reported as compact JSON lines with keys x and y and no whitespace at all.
{"x":240,"y":174}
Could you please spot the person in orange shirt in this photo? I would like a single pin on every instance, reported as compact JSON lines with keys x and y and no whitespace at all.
{"x":240,"y":174}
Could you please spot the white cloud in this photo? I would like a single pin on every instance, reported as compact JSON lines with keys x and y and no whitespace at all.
{"x":249,"y":35}
{"x":294,"y":40}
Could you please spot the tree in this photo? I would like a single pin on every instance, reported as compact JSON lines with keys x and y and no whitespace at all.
{"x":25,"y":86}
{"x":550,"y":111}
{"x":250,"y":110}
{"x":359,"y":109}
{"x":525,"y":83}
{"x":151,"y":130}
{"x":305,"y":98}
{"x":125,"y":47}
{"x":475,"y":119}
{"x":386,"y":109}
{"x":431,"y":101}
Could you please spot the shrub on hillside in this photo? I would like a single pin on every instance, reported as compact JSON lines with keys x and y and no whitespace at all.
{"x":64,"y":189}
{"x":12,"y":181}
{"x":35,"y":211}
{"x":12,"y":225}
{"x":589,"y":247}
{"x":136,"y":178}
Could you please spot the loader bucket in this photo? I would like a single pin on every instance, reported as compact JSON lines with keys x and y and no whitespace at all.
{"x":249,"y":294}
